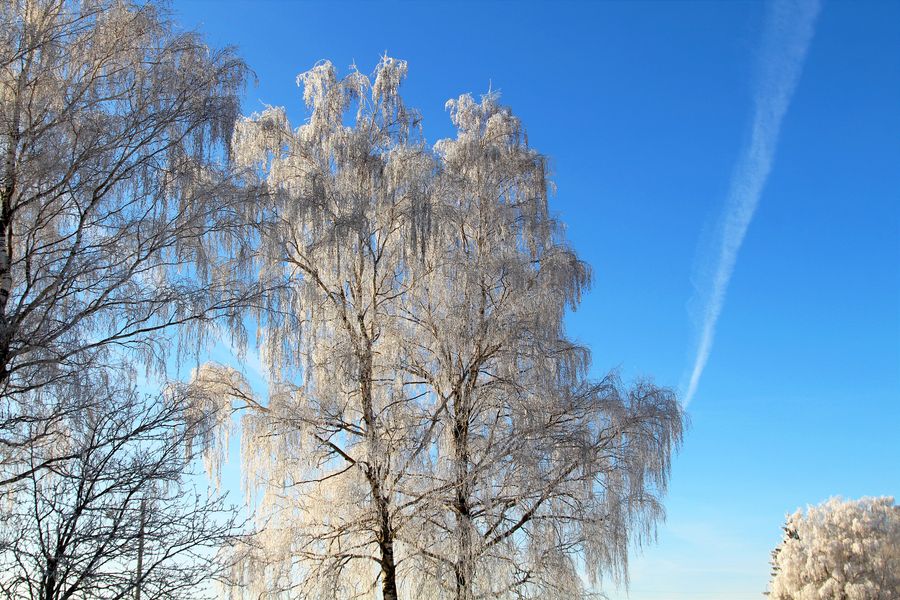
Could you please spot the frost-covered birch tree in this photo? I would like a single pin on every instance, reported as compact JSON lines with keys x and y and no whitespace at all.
{"x":839,"y":550}
{"x":345,"y":220}
{"x":539,"y":473}
{"x":116,"y":209}
{"x":430,"y":431}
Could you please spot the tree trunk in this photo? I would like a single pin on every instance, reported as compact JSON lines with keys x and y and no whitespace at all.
{"x":464,"y":569}
{"x":8,"y":183}
{"x":388,"y":564}
{"x":49,"y":583}
{"x":376,"y":473}
{"x":385,"y":537}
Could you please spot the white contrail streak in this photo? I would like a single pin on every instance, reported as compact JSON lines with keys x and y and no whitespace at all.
{"x":788,"y":31}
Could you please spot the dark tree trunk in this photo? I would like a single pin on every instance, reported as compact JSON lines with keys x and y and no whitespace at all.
{"x":376,"y":474}
{"x":49,"y":584}
{"x":464,"y":569}
{"x":388,"y":564}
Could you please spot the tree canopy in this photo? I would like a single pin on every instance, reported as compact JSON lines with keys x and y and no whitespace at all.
{"x":430,"y":429}
{"x":839,"y":550}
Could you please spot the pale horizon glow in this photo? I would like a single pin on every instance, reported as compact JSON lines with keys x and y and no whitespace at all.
{"x":788,"y":32}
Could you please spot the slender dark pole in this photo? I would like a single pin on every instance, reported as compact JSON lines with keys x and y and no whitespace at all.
{"x":140,"y":560}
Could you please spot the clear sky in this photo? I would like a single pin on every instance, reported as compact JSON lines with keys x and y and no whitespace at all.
{"x":648,"y":111}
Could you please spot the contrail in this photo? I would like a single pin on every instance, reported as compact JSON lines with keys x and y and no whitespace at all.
{"x":787,"y":34}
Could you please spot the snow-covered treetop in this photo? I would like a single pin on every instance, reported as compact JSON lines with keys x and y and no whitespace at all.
{"x":840,"y":550}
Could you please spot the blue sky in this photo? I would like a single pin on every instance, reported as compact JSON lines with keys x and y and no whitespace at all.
{"x":646,"y":109}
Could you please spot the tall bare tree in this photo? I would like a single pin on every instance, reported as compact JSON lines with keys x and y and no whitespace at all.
{"x":115,"y":209}
{"x":119,"y":222}
{"x":121,"y":517}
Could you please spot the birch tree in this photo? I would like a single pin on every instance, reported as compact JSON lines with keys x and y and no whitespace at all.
{"x":430,"y":430}
{"x":346,"y":215}
{"x":115,"y":206}
{"x":540,"y":472}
